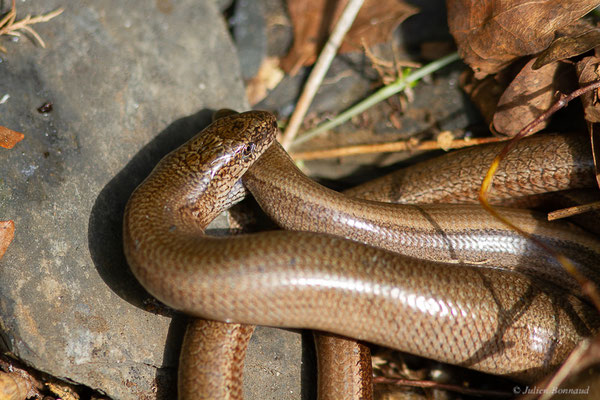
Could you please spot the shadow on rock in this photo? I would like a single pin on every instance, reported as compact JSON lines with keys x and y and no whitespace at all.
{"x":105,"y":236}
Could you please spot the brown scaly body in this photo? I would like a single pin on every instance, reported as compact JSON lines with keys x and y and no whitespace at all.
{"x":488,"y":319}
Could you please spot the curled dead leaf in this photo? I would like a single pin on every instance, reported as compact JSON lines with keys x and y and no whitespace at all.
{"x":578,"y":39}
{"x":530,"y":94}
{"x":268,"y":76}
{"x":8,"y":137}
{"x":490,"y":34}
{"x":588,"y":71}
{"x":13,"y":386}
{"x":314,"y":20}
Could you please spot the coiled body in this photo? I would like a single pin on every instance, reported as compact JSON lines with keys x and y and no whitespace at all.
{"x":440,"y":232}
{"x":489,"y":319}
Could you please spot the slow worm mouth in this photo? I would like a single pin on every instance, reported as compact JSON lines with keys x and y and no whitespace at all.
{"x":238,"y":192}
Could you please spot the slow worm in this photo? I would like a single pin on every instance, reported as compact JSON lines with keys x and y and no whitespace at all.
{"x":491,"y":320}
{"x":441,"y":232}
{"x":538,"y":164}
{"x":451,"y":233}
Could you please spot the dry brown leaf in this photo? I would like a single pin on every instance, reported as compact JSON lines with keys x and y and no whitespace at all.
{"x":268,"y":76}
{"x":588,"y":71}
{"x":7,"y":233}
{"x":530,"y":94}
{"x":8,"y":138}
{"x":573,"y":40}
{"x":63,"y":390}
{"x":13,"y":386}
{"x":490,"y":34}
{"x":314,"y":20}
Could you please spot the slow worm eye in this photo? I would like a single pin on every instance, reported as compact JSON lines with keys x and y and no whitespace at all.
{"x":248,"y":149}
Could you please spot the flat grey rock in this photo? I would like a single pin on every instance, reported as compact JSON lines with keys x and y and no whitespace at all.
{"x":129,"y":81}
{"x":249,"y":32}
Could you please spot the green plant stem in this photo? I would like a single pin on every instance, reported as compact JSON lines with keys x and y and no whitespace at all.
{"x":397,"y":86}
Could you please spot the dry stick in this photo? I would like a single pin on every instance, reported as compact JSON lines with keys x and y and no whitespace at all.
{"x":8,"y":26}
{"x":320,"y":69}
{"x":391,"y":147}
{"x":28,"y":20}
{"x":575,"y":210}
{"x":587,"y":287}
{"x":9,"y":18}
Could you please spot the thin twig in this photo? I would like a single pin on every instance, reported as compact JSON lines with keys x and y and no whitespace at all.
{"x":391,"y":147}
{"x":388,"y":71}
{"x":399,"y":85}
{"x":320,"y":69}
{"x":587,"y":287}
{"x":8,"y":26}
{"x":9,"y":18}
{"x":575,"y":210}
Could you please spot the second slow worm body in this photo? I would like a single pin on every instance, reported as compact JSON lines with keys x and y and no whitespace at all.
{"x":452,"y":233}
{"x":439,"y":232}
{"x":490,"y":320}
{"x":538,"y":164}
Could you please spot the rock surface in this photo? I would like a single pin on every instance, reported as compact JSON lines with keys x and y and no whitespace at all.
{"x":128,"y":83}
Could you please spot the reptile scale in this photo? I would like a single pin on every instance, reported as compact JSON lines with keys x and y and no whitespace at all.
{"x":491,"y":319}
